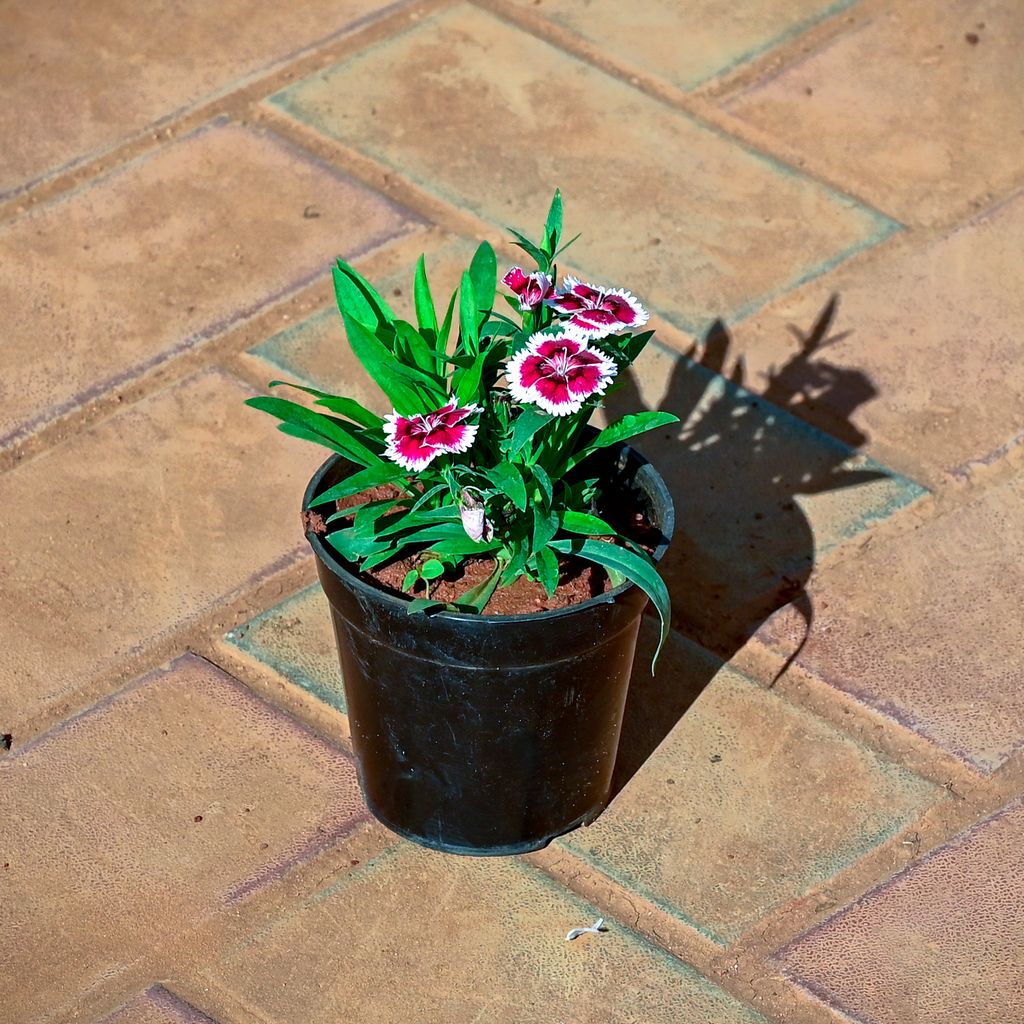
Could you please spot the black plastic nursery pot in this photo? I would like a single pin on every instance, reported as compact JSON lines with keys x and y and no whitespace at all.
{"x":488,"y":734}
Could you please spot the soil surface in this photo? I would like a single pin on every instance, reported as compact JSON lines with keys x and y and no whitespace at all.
{"x":579,"y":580}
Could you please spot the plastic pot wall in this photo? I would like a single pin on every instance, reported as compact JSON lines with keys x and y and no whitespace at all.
{"x":481,"y":734}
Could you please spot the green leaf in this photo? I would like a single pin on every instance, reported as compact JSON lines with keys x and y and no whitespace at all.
{"x":410,"y":578}
{"x":636,"y":344}
{"x":352,"y":547}
{"x":628,"y":426}
{"x":421,"y":354}
{"x":586,"y":524}
{"x":458,"y":546}
{"x":307,"y":435}
{"x":547,"y":570}
{"x":427,"y":495}
{"x":422,"y":604}
{"x":341,"y":439}
{"x":426,"y":315}
{"x":467,"y":382}
{"x":543,"y":482}
{"x":510,"y":482}
{"x":370,"y":513}
{"x":358,"y":299}
{"x":538,"y":255}
{"x":545,"y":526}
{"x":478,"y":596}
{"x":553,"y":224}
{"x":347,"y":407}
{"x":639,"y":569}
{"x":431,"y":569}
{"x":385,"y":473}
{"x":530,"y":420}
{"x":516,"y":565}
{"x":417,"y":520}
{"x":562,"y":248}
{"x":483,"y":269}
{"x":469,"y":330}
{"x":446,"y":326}
{"x":440,"y":532}
{"x":408,"y":388}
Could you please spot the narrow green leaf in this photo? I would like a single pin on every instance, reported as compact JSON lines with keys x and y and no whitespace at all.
{"x":469,"y":330}
{"x":483,"y":269}
{"x":587,"y":525}
{"x":543,"y":481}
{"x":426,"y":315}
{"x":478,"y":596}
{"x":517,"y":564}
{"x":408,"y":388}
{"x":634,"y":567}
{"x":422,"y":604}
{"x":538,"y":255}
{"x":307,"y":435}
{"x":427,"y":495}
{"x":553,"y":224}
{"x":446,"y":325}
{"x":418,"y":520}
{"x":510,"y":482}
{"x":385,"y":473}
{"x":530,"y":420}
{"x":562,"y":248}
{"x":359,"y":298}
{"x":547,"y":569}
{"x":545,"y":526}
{"x":628,"y":426}
{"x":317,"y":423}
{"x":421,"y":353}
{"x":347,"y":407}
{"x":467,"y":382}
{"x":353,"y":547}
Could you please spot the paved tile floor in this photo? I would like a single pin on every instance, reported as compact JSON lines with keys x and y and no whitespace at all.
{"x":818,"y":798}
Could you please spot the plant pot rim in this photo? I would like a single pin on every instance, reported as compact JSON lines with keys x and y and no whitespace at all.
{"x":333,"y":561}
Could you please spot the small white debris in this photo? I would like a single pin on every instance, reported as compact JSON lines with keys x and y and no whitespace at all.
{"x":596,"y":928}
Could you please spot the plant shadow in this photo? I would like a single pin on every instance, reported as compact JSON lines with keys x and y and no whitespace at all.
{"x":743,"y":547}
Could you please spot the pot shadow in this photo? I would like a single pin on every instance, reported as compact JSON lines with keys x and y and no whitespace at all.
{"x":742,"y":547}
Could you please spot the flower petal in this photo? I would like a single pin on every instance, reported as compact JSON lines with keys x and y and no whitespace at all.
{"x":406,"y":442}
{"x":516,"y":280}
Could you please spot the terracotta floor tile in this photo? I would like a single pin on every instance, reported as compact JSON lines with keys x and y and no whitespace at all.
{"x":135,"y":527}
{"x":905,"y":110}
{"x":681,"y":234}
{"x":939,"y":944}
{"x":156,"y":1006}
{"x":748,"y":803}
{"x":144,"y":816}
{"x":925,"y":629}
{"x":154,"y":258}
{"x":684,"y":45}
{"x":80,"y":79}
{"x":296,"y":640}
{"x":922,"y":353}
{"x":470,"y":939}
{"x":760,"y":497}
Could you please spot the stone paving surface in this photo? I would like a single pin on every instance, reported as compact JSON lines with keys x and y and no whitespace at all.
{"x":818,"y":814}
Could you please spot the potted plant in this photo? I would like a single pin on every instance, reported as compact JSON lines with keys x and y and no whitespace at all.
{"x":486,"y":553}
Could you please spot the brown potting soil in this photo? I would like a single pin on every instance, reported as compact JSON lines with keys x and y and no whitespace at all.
{"x":579,"y":580}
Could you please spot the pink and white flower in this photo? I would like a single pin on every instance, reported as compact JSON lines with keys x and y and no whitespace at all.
{"x":415,"y":441}
{"x":598,"y":311}
{"x":532,"y":289}
{"x":558,"y":372}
